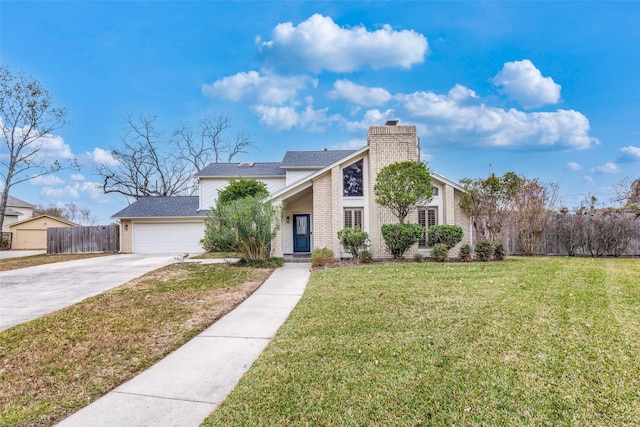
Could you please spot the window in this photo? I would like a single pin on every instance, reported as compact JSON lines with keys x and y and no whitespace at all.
{"x":353,"y":217}
{"x":426,"y":218}
{"x":352,"y":179}
{"x":435,"y":191}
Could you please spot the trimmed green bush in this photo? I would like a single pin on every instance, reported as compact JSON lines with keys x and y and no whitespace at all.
{"x":465,"y":253}
{"x":241,"y":188}
{"x":400,"y":237}
{"x":366,"y":257}
{"x":321,"y":257}
{"x":484,"y":250}
{"x":353,"y":240}
{"x":499,"y":252}
{"x":440,"y":253}
{"x":448,"y":235}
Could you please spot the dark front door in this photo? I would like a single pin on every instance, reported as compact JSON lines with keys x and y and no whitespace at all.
{"x":301,"y":233}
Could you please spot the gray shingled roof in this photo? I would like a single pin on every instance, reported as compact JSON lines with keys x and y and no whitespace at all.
{"x":12,"y":212}
{"x":14,"y":202}
{"x":235,"y":170}
{"x":313,"y":159}
{"x":174,"y":206}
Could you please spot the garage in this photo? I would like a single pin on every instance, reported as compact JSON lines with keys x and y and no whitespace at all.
{"x":32,"y":233}
{"x":168,"y":237}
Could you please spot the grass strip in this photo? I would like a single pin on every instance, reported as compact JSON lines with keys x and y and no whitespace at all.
{"x":33,"y":260}
{"x":531,"y":341}
{"x":54,"y":365}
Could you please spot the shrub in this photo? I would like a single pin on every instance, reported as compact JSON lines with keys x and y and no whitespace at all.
{"x":448,"y":235}
{"x":465,"y":253}
{"x":400,"y":237}
{"x":366,"y":257}
{"x":321,"y":257}
{"x":499,"y":252}
{"x":241,"y":188}
{"x":440,"y":253}
{"x":484,"y":250}
{"x":353,"y":240}
{"x":261,"y":263}
{"x":418,"y":257}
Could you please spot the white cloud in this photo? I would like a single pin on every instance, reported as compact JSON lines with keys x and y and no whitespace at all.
{"x":54,"y":147}
{"x":285,"y":118}
{"x":573,"y":166}
{"x":352,"y":144}
{"x":103,"y":157}
{"x":523,"y":82}
{"x":373,"y":117}
{"x":357,"y":94}
{"x":254,"y":87}
{"x":320,"y":44}
{"x":76,"y":177}
{"x":608,"y":167}
{"x":77,"y":190}
{"x":588,"y":179}
{"x":459,"y":117}
{"x":46,"y":180}
{"x":630,"y":154}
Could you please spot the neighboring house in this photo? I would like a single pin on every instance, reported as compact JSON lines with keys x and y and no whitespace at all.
{"x":32,"y":233}
{"x":322,"y":193}
{"x":17,"y":210}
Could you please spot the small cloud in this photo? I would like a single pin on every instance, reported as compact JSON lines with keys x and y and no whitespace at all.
{"x":319,"y":44}
{"x":588,"y":179}
{"x":523,"y":82}
{"x":352,"y":144}
{"x":630,"y":154}
{"x":357,"y":94}
{"x":426,"y":157}
{"x":285,"y":118}
{"x":371,"y":118}
{"x":263,"y":89}
{"x":77,"y":177}
{"x":46,"y":180}
{"x":103,"y":157}
{"x":609,"y":167}
{"x":573,"y":166}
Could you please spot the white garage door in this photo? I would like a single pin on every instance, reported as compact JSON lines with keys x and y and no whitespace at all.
{"x":168,"y":238}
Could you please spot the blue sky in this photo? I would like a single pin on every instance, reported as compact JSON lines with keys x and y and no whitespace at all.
{"x":549,"y":90}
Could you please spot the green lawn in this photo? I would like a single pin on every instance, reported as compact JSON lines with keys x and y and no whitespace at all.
{"x":530,"y":341}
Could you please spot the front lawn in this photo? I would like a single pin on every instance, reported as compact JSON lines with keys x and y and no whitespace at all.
{"x":530,"y":341}
{"x":56,"y":364}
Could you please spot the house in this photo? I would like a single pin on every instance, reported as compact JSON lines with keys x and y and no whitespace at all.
{"x":31,"y":233}
{"x":17,"y":210}
{"x":321,"y":191}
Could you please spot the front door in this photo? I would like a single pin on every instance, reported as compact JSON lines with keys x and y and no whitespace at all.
{"x":301,"y":233}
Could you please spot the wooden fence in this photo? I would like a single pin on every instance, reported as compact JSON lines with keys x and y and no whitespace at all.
{"x":73,"y":240}
{"x":549,"y":245}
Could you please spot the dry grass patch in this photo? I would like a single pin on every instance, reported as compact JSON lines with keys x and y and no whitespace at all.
{"x":33,"y":260}
{"x":52,"y":366}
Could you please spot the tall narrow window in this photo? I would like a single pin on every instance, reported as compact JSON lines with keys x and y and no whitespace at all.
{"x":426,"y":218}
{"x":352,"y":179}
{"x":353,"y":217}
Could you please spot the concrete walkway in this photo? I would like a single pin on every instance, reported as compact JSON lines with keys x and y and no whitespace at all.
{"x":186,"y":386}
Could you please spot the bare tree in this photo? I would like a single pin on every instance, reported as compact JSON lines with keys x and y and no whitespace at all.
{"x":28,"y":117}
{"x":147,"y":164}
{"x":143,"y":166}
{"x":490,"y":203}
{"x":82,"y":216}
{"x":533,"y":208}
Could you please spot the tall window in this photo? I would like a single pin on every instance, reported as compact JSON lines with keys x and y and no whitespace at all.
{"x":353,"y":217}
{"x":352,"y":179}
{"x":426,"y":218}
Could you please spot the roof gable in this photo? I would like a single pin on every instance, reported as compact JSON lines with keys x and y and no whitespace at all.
{"x":36,"y":218}
{"x":14,"y":202}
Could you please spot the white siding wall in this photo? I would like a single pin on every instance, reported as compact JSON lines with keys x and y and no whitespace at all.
{"x":297,"y":175}
{"x":209,"y":188}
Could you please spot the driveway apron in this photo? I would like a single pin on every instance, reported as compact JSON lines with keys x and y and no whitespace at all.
{"x":28,"y":293}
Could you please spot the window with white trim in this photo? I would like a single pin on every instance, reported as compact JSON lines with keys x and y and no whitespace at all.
{"x":354,"y":217}
{"x":352,"y":179}
{"x":426,"y":218}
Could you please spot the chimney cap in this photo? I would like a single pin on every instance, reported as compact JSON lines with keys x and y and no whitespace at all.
{"x":391,"y":122}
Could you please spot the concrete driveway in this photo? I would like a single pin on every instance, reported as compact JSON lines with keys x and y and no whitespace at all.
{"x":31,"y":292}
{"x":20,"y":253}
